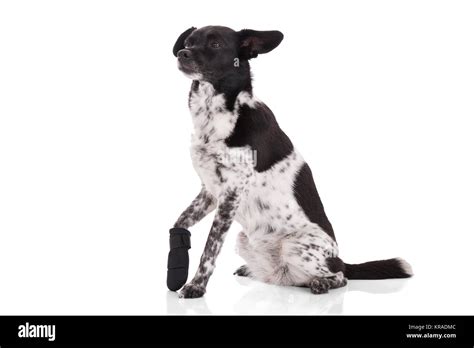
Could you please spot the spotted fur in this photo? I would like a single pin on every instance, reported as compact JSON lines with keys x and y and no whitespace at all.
{"x":251,"y":172}
{"x":280,"y":244}
{"x":202,"y":205}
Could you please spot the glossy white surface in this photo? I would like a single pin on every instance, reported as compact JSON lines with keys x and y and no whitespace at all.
{"x":95,"y":167}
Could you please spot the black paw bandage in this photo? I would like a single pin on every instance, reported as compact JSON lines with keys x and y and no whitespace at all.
{"x":178,"y":258}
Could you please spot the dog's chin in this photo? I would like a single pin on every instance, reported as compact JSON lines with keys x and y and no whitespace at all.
{"x":193,"y":76}
{"x":189,"y":72}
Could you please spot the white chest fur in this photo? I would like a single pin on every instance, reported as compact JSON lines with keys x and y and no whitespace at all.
{"x":212,"y":121}
{"x":217,"y":165}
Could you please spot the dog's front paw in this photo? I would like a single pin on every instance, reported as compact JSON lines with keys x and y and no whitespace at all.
{"x":191,"y":290}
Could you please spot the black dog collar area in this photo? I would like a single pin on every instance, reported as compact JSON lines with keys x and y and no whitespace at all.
{"x":178,"y":258}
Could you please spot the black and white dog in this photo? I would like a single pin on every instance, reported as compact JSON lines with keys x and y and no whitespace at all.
{"x":252,"y":173}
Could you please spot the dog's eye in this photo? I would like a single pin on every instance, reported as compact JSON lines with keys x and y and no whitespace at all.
{"x":215,"y":44}
{"x":187,"y":44}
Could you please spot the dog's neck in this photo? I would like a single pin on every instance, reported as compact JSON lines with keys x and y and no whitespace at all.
{"x":236,"y":80}
{"x":214,"y":108}
{"x":232,"y":85}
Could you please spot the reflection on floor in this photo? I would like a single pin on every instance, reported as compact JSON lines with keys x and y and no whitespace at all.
{"x":269,"y":299}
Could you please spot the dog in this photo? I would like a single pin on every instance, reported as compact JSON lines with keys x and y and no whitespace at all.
{"x":251,"y":173}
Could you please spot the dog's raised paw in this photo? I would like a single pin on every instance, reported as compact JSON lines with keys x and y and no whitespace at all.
{"x":242,"y":271}
{"x":191,"y":290}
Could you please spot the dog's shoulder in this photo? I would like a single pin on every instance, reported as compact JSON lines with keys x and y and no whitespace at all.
{"x":257,"y":127}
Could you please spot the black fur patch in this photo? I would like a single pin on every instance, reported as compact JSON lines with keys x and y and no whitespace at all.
{"x":335,"y":264}
{"x":308,"y":198}
{"x":258,"y":128}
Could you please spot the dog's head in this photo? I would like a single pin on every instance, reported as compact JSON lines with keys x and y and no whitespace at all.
{"x":213,"y":52}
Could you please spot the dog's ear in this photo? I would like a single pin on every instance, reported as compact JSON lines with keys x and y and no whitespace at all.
{"x":179,"y":45}
{"x":253,"y":42}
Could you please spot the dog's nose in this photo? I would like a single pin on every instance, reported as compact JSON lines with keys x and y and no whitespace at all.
{"x":184,"y":54}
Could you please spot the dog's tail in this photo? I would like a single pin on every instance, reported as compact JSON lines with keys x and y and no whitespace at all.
{"x":382,"y":269}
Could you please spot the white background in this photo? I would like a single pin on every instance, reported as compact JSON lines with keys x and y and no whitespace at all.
{"x":95,"y":168}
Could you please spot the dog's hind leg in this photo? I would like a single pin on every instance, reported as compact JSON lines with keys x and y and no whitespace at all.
{"x":304,"y":255}
{"x":321,"y":285}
